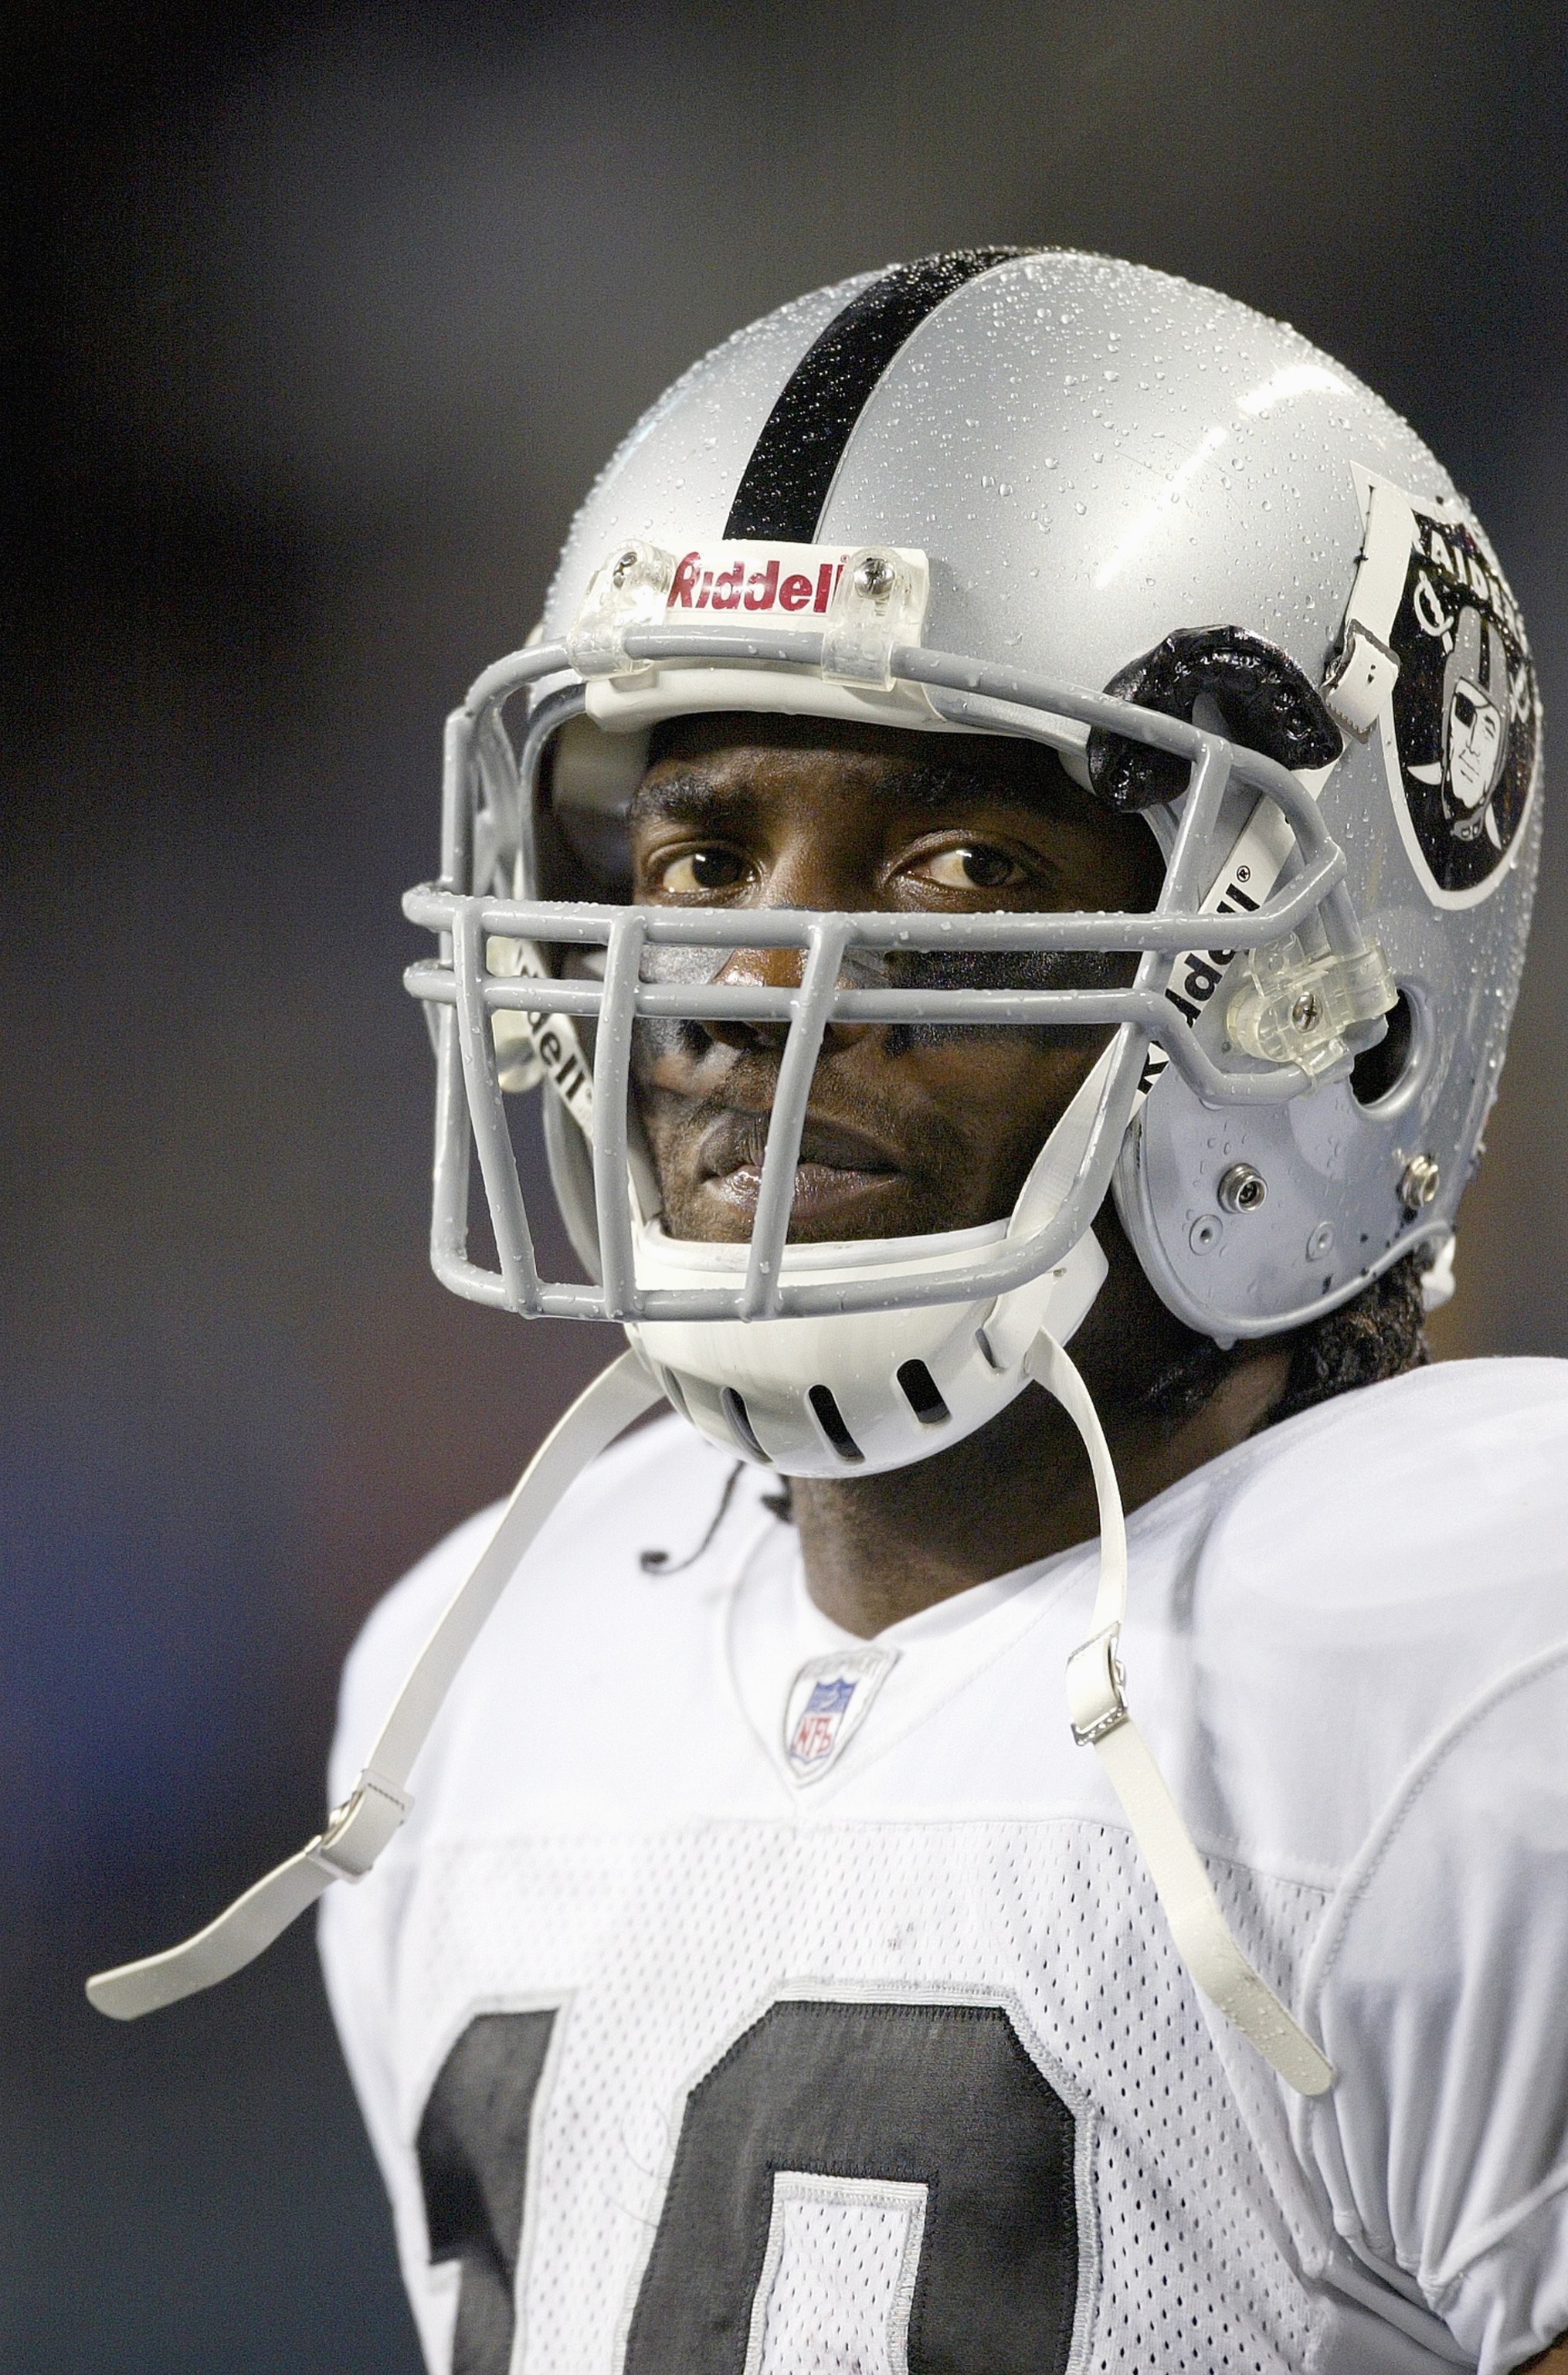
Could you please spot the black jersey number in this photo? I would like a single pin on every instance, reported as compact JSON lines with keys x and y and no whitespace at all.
{"x":941,"y":2097}
{"x":472,"y":2153}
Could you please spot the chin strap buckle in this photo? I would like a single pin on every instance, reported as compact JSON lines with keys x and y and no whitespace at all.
{"x":358,"y":1830}
{"x":1096,"y":1687}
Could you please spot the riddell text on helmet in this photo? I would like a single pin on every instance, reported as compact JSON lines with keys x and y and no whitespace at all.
{"x":798,"y":578}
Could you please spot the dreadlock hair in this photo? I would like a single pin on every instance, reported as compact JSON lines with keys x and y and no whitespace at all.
{"x":1380,"y":1333}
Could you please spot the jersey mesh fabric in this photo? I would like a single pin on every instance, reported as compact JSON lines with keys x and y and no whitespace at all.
{"x":1356,"y":1700}
{"x":834,"y":2297}
{"x":662,"y":1949}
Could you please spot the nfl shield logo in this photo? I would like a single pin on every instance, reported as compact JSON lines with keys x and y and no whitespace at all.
{"x":828,"y":1703}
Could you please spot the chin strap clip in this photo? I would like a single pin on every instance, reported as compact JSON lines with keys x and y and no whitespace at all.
{"x":1096,"y":1687}
{"x":375,"y":1810}
{"x":1102,"y":1720}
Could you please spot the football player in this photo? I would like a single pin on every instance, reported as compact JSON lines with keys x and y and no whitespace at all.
{"x":962,"y":881}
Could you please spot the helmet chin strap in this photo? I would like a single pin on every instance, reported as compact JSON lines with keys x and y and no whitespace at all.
{"x":1101,"y":1720}
{"x":380,"y":1801}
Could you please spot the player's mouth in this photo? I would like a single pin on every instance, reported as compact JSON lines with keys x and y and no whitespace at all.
{"x":840,"y":1171}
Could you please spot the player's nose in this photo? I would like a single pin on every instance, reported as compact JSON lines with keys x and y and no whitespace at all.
{"x":813,"y":871}
{"x":773,"y":969}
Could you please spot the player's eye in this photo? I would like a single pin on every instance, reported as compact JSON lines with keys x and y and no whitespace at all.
{"x":1464,"y":709}
{"x":692,"y":873}
{"x":974,"y":865}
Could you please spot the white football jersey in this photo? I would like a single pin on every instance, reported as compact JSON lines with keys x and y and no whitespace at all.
{"x":742,"y":1998}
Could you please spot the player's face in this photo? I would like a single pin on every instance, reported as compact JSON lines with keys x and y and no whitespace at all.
{"x":908,"y":1129}
{"x":1475,"y":735}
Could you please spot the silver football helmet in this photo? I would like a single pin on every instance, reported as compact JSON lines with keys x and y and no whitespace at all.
{"x":1040,"y":494}
{"x":1044,"y":495}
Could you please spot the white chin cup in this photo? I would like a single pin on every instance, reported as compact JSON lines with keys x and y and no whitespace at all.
{"x":852,"y":1393}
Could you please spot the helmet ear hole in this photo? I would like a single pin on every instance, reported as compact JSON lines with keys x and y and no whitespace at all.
{"x":1378,"y":1071}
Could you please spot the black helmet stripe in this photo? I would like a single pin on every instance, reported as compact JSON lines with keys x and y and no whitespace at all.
{"x":785,"y":489}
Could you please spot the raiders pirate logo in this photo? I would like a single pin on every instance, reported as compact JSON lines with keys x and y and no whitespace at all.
{"x":1433,"y":655}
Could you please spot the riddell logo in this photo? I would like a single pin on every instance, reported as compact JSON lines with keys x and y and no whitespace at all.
{"x":792,"y":578}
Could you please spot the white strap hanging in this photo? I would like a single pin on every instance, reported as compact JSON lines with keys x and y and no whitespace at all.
{"x":1100,"y":1721}
{"x":379,"y":1801}
{"x":360,"y":1828}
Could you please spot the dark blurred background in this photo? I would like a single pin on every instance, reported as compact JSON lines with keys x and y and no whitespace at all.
{"x":320,"y":323}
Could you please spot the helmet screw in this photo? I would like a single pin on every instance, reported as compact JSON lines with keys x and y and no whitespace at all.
{"x":625,"y":565}
{"x":1419,"y":1183}
{"x":1304,"y":1012}
{"x":1241,"y":1189}
{"x":874,"y":577}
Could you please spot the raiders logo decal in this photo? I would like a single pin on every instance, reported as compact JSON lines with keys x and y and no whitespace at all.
{"x":1434,"y":656}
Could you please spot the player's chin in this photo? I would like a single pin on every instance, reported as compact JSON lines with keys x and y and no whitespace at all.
{"x":830,"y":1201}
